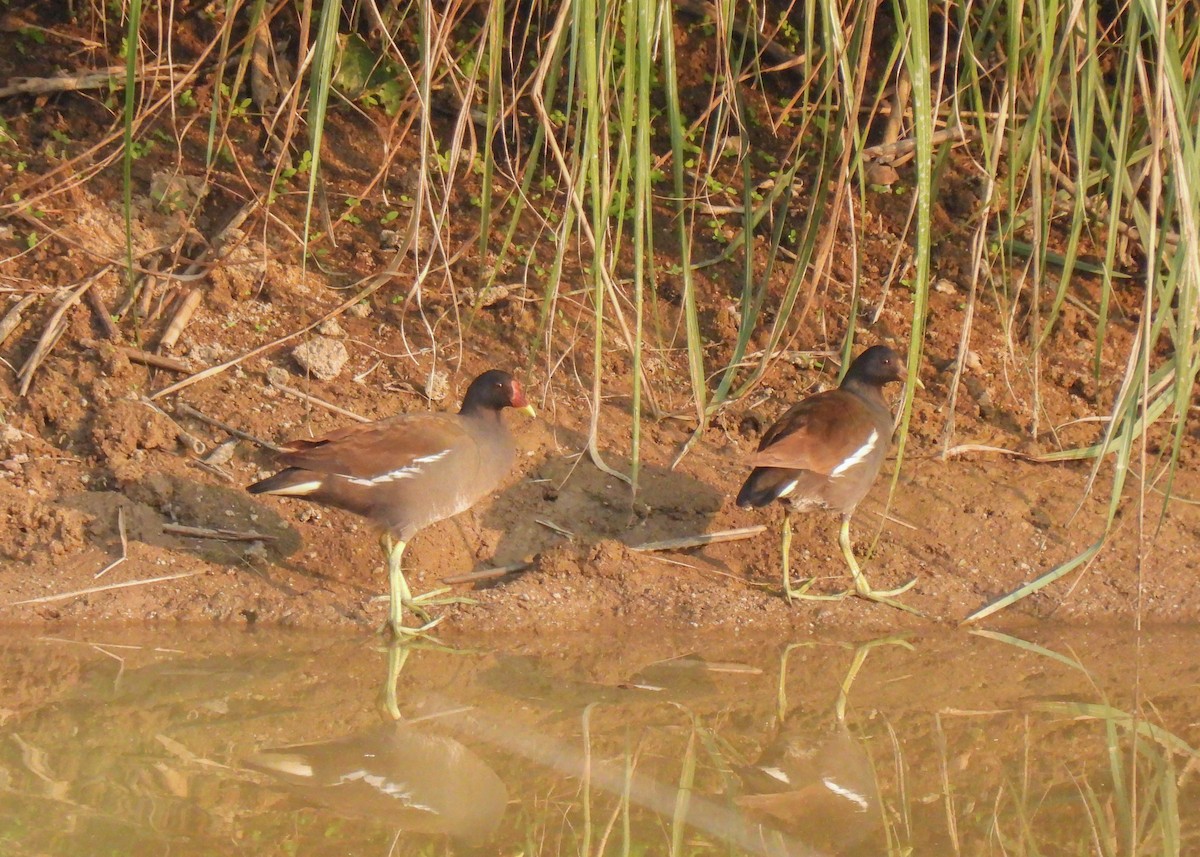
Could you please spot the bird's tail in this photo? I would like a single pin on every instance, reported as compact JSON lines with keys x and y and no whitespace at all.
{"x":294,"y":482}
{"x":765,"y":485}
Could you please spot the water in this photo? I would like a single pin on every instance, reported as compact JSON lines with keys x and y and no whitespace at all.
{"x":182,"y":742}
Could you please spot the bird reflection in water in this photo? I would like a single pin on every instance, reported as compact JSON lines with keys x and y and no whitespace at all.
{"x":818,"y":790}
{"x":395,"y":774}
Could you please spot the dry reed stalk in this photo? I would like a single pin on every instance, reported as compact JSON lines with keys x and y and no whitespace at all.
{"x":187,"y":308}
{"x":12,"y":318}
{"x":216,"y":533}
{"x":187,"y":410}
{"x":54,"y":329}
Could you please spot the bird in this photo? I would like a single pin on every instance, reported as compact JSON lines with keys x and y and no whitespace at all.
{"x":816,"y":784}
{"x":393,"y":773}
{"x":405,"y":472}
{"x":825,"y":452}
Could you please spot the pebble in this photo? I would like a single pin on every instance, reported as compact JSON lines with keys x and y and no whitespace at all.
{"x":437,"y":386}
{"x":321,"y":357}
{"x":330,"y":327}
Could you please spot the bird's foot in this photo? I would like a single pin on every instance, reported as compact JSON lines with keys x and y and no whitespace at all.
{"x":433,"y":598}
{"x":886,"y":596}
{"x":397,"y":632}
{"x":395,"y":629}
{"x":801,"y":593}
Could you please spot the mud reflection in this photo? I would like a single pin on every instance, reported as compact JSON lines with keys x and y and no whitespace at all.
{"x":610,"y":744}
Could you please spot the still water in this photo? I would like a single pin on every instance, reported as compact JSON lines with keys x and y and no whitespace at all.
{"x":209,"y":741}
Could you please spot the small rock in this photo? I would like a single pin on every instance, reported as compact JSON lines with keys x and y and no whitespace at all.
{"x":944,"y":286}
{"x":330,"y":327}
{"x":491,"y":296}
{"x":277,"y":375}
{"x":882,"y":174}
{"x":207,"y":353}
{"x":255,"y":551}
{"x":437,"y":386}
{"x":173,"y":191}
{"x":222,"y":454}
{"x":321,"y":357}
{"x":972,"y":362}
{"x":360,"y":310}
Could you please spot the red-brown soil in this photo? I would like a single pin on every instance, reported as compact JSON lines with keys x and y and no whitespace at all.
{"x":81,"y":445}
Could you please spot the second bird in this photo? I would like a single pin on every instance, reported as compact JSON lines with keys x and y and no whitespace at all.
{"x":825,"y":452}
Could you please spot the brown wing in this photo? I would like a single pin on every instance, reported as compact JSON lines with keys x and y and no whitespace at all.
{"x":817,"y":434}
{"x":364,"y":451}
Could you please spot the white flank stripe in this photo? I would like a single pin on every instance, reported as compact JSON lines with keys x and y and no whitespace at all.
{"x":848,"y":794}
{"x":789,"y":488}
{"x":858,"y":456}
{"x":406,"y":472}
{"x":776,"y":773}
{"x":298,"y":490}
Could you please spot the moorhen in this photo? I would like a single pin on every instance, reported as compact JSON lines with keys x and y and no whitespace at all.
{"x":825,"y":452}
{"x":406,"y":472}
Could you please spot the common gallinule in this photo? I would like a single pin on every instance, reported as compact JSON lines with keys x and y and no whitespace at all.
{"x":394,"y":774}
{"x":825,"y":452}
{"x":408,"y":471}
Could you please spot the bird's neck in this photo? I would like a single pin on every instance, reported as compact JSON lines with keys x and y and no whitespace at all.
{"x":872,"y":393}
{"x":479,"y":413}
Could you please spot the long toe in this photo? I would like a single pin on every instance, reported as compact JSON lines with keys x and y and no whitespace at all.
{"x":395,"y":632}
{"x":801,"y":593}
{"x":886,"y":596}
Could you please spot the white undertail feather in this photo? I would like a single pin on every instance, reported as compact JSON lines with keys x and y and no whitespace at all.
{"x":287,"y":764}
{"x":858,"y":456}
{"x":299,"y":490}
{"x":789,"y":488}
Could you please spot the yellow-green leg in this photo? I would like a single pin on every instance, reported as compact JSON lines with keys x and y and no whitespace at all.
{"x":400,"y":596}
{"x":861,"y":588}
{"x":786,"y":547}
{"x":397,"y":653}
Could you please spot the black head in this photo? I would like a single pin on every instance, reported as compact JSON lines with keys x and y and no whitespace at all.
{"x":876,"y":366}
{"x":494,"y":390}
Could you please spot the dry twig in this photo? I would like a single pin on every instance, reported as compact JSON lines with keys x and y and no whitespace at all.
{"x":218,"y":534}
{"x":305,"y":397}
{"x":63,"y":596}
{"x":187,"y":307}
{"x":54,"y":329}
{"x":184,"y":409}
{"x":12,"y":318}
{"x":699,"y":539}
{"x":100,"y":310}
{"x":124,"y":545}
{"x":98,"y":79}
{"x":184,"y":436}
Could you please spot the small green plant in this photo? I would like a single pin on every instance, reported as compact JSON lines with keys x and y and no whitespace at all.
{"x":348,"y":215}
{"x":140,"y":148}
{"x":237,"y":109}
{"x":787,"y":35}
